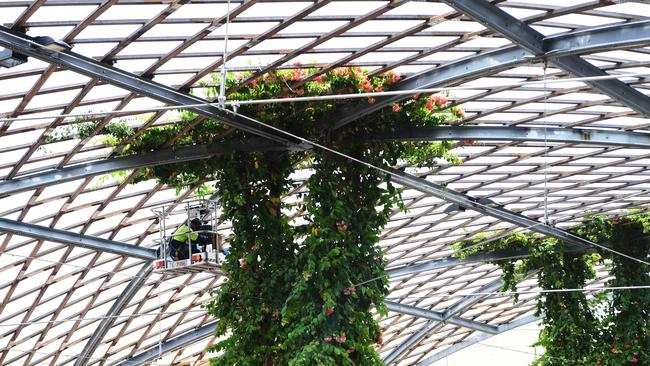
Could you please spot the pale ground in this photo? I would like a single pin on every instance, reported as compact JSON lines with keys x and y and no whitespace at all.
{"x":511,"y":348}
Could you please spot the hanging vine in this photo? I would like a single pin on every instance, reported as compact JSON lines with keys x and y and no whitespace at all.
{"x":605,"y":329}
{"x":291,"y":297}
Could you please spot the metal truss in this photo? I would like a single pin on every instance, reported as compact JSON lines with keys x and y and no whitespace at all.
{"x":488,"y":63}
{"x":440,"y":316}
{"x":432,"y":325}
{"x":503,"y":133}
{"x":118,"y":306}
{"x":80,"y":240}
{"x":476,"y":339}
{"x":154,"y":158}
{"x":590,"y":165}
{"x":490,"y":209}
{"x":25,"y":44}
{"x":176,"y":343}
{"x":522,"y":34}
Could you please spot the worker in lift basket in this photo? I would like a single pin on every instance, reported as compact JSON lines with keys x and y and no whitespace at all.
{"x":182,"y":237}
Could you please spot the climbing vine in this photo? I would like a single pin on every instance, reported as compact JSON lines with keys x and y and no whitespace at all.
{"x":605,"y":329}
{"x":292,"y":294}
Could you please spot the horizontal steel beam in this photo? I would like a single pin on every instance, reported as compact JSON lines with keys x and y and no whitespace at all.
{"x":502,"y":133}
{"x":439,"y":316}
{"x":26,"y":45}
{"x":471,"y":203}
{"x":173,"y":344}
{"x":447,"y":262}
{"x":496,"y":19}
{"x":474,"y":340}
{"x":80,"y":240}
{"x":159,"y":157}
{"x":609,"y":37}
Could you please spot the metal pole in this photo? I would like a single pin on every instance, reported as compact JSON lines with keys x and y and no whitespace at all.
{"x":189,"y":234}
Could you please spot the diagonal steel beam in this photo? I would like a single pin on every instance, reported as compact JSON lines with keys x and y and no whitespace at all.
{"x":26,"y":45}
{"x":488,"y":63}
{"x":118,"y":306}
{"x":464,"y":200}
{"x":190,"y":337}
{"x":522,"y":34}
{"x":159,"y":157}
{"x":80,"y":240}
{"x":446,"y":262}
{"x":439,"y":316}
{"x":432,"y":325}
{"x":476,"y":339}
{"x":502,"y":133}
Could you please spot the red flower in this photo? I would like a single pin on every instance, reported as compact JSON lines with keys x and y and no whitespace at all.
{"x":380,"y":341}
{"x":351,"y":350}
{"x":341,"y":338}
{"x":329,"y":311}
{"x":300,"y":91}
{"x":429,"y":105}
{"x":628,"y":346}
{"x":342,"y":226}
{"x":634,"y":360}
{"x":396,"y":107}
{"x":460,"y":113}
{"x":371,"y":100}
{"x":366,"y":85}
{"x":379,"y":89}
{"x":349,"y":291}
{"x":327,"y":339}
{"x":614,"y":350}
{"x":416,"y":96}
{"x":439,"y":100}
{"x":395,"y":78}
{"x":254,"y":82}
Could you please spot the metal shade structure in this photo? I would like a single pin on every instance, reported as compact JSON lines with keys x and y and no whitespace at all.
{"x":76,"y":237}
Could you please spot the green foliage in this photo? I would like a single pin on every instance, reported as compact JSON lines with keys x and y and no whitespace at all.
{"x":603,"y":330}
{"x":116,"y":131}
{"x":300,"y":295}
{"x":113,"y":177}
{"x":260,"y":265}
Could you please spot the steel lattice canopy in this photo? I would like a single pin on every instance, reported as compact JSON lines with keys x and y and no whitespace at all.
{"x":76,"y":242}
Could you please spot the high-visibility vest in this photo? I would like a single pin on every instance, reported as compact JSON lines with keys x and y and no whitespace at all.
{"x":181,"y":234}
